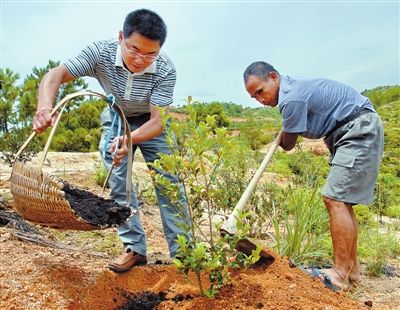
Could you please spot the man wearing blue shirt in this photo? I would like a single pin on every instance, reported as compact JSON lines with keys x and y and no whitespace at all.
{"x":353,"y":132}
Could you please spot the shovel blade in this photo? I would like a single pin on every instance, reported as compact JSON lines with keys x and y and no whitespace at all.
{"x":246,"y":246}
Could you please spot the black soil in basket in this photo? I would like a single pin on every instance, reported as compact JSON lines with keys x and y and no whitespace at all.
{"x":94,"y":209}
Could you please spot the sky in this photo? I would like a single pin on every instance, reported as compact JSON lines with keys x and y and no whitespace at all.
{"x":212,"y":42}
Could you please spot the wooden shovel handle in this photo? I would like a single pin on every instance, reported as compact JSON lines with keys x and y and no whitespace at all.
{"x":230,"y":225}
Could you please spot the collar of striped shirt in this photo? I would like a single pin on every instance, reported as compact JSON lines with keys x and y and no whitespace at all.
{"x":119,"y":63}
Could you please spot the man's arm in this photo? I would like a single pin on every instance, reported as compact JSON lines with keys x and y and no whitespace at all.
{"x":152,"y":128}
{"x":48,"y":90}
{"x":288,"y":141}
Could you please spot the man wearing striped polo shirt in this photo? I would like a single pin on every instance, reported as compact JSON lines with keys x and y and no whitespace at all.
{"x":353,"y":132}
{"x":142,"y":79}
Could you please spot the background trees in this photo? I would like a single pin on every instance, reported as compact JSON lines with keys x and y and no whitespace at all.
{"x":78,"y":130}
{"x":9,"y":93}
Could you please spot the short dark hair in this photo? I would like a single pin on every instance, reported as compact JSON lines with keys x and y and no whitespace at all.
{"x":260,"y":69}
{"x":147,"y":23}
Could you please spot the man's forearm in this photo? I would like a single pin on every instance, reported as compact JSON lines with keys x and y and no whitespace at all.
{"x":50,"y":85}
{"x":48,"y":90}
{"x":152,"y":128}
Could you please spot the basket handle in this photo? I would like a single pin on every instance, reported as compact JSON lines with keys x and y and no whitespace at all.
{"x":54,"y":110}
{"x":61,"y":106}
{"x":53,"y":130}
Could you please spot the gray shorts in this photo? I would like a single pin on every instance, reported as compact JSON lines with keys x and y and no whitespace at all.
{"x":356,"y":152}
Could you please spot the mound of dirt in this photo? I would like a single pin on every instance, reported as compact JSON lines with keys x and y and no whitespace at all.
{"x":270,"y":286}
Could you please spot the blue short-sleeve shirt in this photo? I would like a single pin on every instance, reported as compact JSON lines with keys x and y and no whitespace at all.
{"x":311,"y":107}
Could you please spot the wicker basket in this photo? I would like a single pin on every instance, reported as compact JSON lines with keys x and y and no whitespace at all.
{"x":39,"y":197}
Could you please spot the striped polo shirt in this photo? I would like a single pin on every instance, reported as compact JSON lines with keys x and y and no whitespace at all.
{"x":311,"y":107}
{"x":134,"y":92}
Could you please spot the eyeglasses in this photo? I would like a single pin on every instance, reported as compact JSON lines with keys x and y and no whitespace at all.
{"x":134,"y":54}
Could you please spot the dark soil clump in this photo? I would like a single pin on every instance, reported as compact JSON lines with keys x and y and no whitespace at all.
{"x":143,"y":301}
{"x":3,"y":221}
{"x":94,"y":209}
{"x":148,"y":300}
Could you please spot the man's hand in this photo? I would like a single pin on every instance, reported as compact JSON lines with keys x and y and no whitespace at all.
{"x":43,"y":119}
{"x":288,"y":141}
{"x":121,"y":151}
{"x":48,"y":89}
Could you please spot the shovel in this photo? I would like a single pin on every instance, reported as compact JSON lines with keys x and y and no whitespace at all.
{"x":229,"y":227}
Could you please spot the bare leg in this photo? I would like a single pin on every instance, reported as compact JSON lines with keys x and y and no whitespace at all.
{"x":354,"y":274}
{"x":344,"y":236}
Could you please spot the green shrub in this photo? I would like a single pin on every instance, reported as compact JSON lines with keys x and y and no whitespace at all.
{"x":376,"y":247}
{"x":280,"y":164}
{"x":376,"y":265}
{"x":393,"y":211}
{"x":100,"y":174}
{"x":255,"y":136}
{"x":233,"y":175}
{"x":307,"y":169}
{"x":200,"y":159}
{"x":364,"y":215}
{"x":383,"y":94}
{"x":215,"y":109}
{"x":301,"y":225}
{"x":384,"y":193}
{"x":12,"y":141}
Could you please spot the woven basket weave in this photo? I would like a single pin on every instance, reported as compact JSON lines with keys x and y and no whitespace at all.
{"x":39,"y":197}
